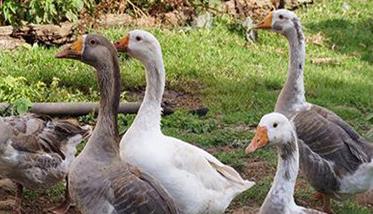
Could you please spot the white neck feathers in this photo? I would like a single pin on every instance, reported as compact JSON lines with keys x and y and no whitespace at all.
{"x":149,"y":114}
{"x":282,"y":190}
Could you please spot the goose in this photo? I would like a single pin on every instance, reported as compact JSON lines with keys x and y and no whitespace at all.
{"x":198,"y":182}
{"x":338,"y":162}
{"x":276,"y":130}
{"x":36,"y":152}
{"x":99,"y":181}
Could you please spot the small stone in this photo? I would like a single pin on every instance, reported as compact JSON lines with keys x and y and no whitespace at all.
{"x":346,"y":6}
{"x":251,"y":34}
{"x":203,"y":21}
{"x":10,"y":43}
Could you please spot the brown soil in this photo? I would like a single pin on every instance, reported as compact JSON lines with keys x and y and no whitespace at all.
{"x":172,"y":99}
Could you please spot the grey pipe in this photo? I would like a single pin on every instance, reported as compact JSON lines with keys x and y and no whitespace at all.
{"x":78,"y":109}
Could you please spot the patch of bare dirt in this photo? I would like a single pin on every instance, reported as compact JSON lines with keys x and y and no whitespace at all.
{"x":365,"y":199}
{"x":171,"y":99}
{"x":29,"y":206}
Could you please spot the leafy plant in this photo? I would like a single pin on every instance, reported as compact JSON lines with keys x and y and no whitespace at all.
{"x":22,"y":105}
{"x":15,"y":12}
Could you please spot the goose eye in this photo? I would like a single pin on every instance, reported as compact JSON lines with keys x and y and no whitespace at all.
{"x":275,"y":125}
{"x":138,"y":38}
{"x":92,"y":42}
{"x":281,"y":16}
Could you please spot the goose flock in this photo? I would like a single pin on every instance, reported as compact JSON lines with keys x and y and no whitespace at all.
{"x":146,"y":171}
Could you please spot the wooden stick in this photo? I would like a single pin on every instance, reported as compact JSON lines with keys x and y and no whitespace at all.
{"x":78,"y":109}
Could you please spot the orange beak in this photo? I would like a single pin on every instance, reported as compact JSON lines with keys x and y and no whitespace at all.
{"x":74,"y":51}
{"x":260,"y":140}
{"x":266,"y":23}
{"x":122,"y":44}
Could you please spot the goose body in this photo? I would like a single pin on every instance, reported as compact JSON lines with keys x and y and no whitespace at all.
{"x":275,"y":129}
{"x":99,"y":181}
{"x":337,"y":161}
{"x":196,"y":180}
{"x":37,"y":151}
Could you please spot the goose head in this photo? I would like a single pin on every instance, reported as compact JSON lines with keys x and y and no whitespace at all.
{"x":273,"y":129}
{"x":140,"y":45}
{"x":280,"y":21}
{"x":91,"y":49}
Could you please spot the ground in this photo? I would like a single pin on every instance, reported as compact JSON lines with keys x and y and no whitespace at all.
{"x":237,"y":81}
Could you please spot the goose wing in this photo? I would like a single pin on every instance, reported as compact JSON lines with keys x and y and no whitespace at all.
{"x":137,"y":192}
{"x":317,"y":170}
{"x":36,"y":133}
{"x":330,"y":141}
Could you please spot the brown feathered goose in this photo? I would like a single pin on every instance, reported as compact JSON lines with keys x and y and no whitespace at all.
{"x":99,"y":181}
{"x":36,"y":152}
{"x":275,"y":129}
{"x":336,"y":160}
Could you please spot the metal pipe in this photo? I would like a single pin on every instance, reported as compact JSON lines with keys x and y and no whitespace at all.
{"x":76,"y":109}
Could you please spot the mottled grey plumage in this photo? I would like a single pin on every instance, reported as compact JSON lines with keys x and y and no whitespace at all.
{"x":99,"y":181}
{"x":38,"y":149}
{"x":331,"y":150}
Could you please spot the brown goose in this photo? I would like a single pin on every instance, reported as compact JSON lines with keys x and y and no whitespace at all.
{"x":275,"y":129}
{"x":335,"y":158}
{"x":99,"y":181}
{"x":36,"y":152}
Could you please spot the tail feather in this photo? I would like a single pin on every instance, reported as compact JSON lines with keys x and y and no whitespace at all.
{"x":231,"y":174}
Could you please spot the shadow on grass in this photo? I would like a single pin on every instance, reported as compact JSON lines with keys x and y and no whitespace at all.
{"x":349,"y":37}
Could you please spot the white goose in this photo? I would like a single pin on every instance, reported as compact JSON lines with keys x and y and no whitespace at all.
{"x":275,"y":129}
{"x":197,"y":181}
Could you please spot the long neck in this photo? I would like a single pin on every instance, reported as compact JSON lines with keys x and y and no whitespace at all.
{"x":292,"y":96}
{"x":149,"y":115}
{"x":282,"y":190}
{"x":105,"y":137}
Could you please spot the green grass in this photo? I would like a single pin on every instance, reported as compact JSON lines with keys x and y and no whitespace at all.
{"x":237,"y":81}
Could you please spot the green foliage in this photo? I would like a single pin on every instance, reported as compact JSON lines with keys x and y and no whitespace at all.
{"x":22,"y":105}
{"x":17,"y":89}
{"x":14,"y":12}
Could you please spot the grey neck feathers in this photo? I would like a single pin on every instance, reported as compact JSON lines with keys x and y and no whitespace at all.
{"x":149,"y":115}
{"x":282,"y":190}
{"x":105,"y":137}
{"x":292,"y":96}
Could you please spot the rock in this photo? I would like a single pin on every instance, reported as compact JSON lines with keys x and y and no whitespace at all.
{"x":53,"y":34}
{"x":10,"y":43}
{"x":203,"y":21}
{"x":251,"y":34}
{"x":46,"y":34}
{"x":346,"y":6}
{"x":171,"y":18}
{"x":111,"y":20}
{"x":293,"y":4}
{"x":146,"y":21}
{"x":230,"y":7}
{"x":6,"y":30}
